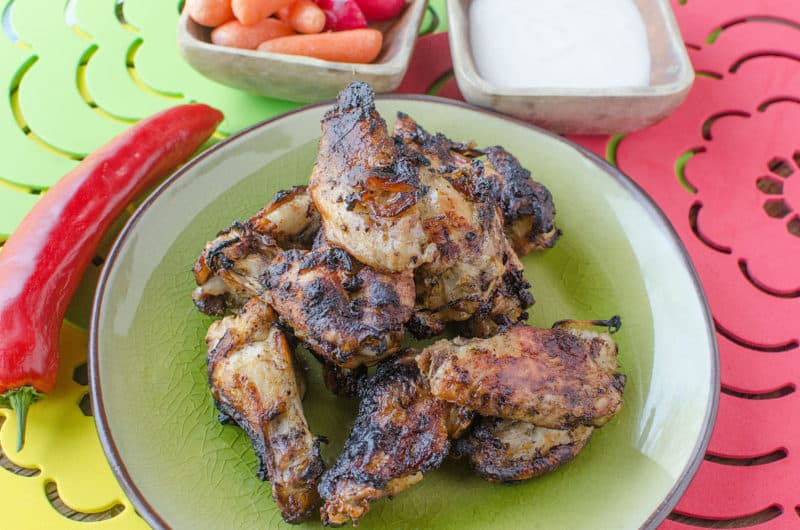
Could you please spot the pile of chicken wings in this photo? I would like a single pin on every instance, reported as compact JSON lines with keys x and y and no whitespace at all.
{"x":401,"y":233}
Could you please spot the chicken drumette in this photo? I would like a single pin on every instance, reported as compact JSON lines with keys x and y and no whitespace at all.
{"x":254,"y":382}
{"x":495,"y":176}
{"x":364,"y":190}
{"x":347,"y":314}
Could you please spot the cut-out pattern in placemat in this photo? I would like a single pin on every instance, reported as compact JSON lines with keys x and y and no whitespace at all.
{"x":61,"y":477}
{"x":724,"y":168}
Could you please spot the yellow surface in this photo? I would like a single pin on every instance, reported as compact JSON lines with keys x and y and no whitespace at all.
{"x":63,"y":445}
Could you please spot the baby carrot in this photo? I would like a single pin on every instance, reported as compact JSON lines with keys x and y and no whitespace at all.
{"x":250,"y":12}
{"x":236,"y":35}
{"x":209,"y":12}
{"x":350,"y":46}
{"x":306,"y":17}
{"x":283,"y":14}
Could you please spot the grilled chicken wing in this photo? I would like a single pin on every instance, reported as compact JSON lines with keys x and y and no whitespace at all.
{"x":526,"y":205}
{"x":473,"y":256}
{"x":400,"y":433}
{"x":365,"y":192}
{"x":468,"y":267}
{"x":254,"y":382}
{"x":510,"y":451}
{"x":348,"y":314}
{"x":507,"y":304}
{"x":228,"y":269}
{"x":556,"y":378}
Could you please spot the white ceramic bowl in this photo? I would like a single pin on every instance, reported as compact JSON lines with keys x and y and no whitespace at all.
{"x":586,"y":111}
{"x":297,"y":78}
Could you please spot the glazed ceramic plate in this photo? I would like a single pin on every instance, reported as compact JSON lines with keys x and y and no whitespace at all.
{"x":618,"y":255}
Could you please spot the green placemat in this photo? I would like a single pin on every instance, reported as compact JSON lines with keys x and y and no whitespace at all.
{"x":80,"y":72}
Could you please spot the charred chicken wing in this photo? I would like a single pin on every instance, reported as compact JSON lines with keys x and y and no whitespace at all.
{"x":348,"y":314}
{"x":365,"y":192}
{"x":228,"y":269}
{"x":556,"y":378}
{"x":253,"y":380}
{"x":468,"y":272}
{"x":400,"y":433}
{"x":526,"y":205}
{"x":510,"y":451}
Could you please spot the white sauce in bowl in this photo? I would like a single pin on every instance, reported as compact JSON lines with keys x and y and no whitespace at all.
{"x":559,"y":43}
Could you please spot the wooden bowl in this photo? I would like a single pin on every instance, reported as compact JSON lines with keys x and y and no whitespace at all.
{"x":298,"y":78}
{"x":584,"y":110}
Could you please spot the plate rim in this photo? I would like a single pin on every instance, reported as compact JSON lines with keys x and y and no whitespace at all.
{"x":154,"y":519}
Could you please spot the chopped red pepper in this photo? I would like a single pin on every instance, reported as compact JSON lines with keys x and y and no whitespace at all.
{"x":42,"y":262}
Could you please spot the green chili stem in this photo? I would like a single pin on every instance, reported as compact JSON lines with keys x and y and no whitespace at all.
{"x":20,"y":399}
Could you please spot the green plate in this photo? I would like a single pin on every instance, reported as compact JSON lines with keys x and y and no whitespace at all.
{"x":618,"y":255}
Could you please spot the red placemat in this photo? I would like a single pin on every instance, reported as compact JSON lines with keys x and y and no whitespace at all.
{"x":725,"y":168}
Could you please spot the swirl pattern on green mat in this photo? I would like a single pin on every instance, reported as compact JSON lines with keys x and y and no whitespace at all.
{"x":82,"y":71}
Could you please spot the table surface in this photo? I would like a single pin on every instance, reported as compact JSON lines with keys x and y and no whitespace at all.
{"x":722,"y":168}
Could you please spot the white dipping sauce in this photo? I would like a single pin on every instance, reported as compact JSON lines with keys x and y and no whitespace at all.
{"x":559,"y":43}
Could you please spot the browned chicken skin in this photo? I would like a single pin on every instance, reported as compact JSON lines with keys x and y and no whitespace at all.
{"x":364,"y":190}
{"x":290,"y":219}
{"x":474,"y":267}
{"x":400,"y":433}
{"x":347,"y":314}
{"x":254,"y":382}
{"x":556,"y":378}
{"x":507,"y":304}
{"x":511,"y":451}
{"x":229,"y":266}
{"x":526,"y":205}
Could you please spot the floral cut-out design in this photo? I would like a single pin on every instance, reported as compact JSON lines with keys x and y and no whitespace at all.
{"x":776,"y":185}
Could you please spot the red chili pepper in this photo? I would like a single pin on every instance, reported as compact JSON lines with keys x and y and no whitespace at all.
{"x":42,"y":262}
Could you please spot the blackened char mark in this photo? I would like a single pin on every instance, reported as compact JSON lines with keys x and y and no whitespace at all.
{"x":400,"y":431}
{"x":348,"y":314}
{"x":519,"y":194}
{"x":343,"y":381}
{"x":510,"y":451}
